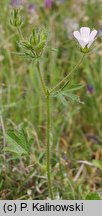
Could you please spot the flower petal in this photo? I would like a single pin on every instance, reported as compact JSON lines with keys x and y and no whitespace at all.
{"x":90,"y":43}
{"x":85,"y":32}
{"x":76,"y":35}
{"x":82,"y":43}
{"x":92,"y":37}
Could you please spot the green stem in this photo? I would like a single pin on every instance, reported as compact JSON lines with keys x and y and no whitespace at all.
{"x":47,"y":95}
{"x":65,"y":78}
{"x":48,"y":162}
{"x":41,"y":79}
{"x":48,"y":147}
{"x":20,"y":33}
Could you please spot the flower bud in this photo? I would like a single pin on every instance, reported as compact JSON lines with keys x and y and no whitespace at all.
{"x":15,"y":18}
{"x":35,"y":45}
{"x":34,"y":38}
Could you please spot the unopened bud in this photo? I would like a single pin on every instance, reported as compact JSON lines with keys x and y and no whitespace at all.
{"x":35,"y":38}
{"x":34,"y":46}
{"x":15,"y":18}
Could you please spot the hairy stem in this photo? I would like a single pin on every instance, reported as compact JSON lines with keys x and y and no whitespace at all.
{"x":20,"y":33}
{"x":65,"y":78}
{"x":41,"y":79}
{"x":48,"y":154}
{"x":48,"y":147}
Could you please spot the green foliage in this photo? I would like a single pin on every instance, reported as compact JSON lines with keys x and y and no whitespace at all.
{"x":18,"y":143}
{"x":15,"y":18}
{"x":34,"y":46}
{"x":97,"y":164}
{"x":92,"y":196}
{"x":67,"y":95}
{"x":75,"y":87}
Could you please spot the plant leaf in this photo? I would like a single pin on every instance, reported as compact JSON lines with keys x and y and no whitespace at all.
{"x":18,"y":142}
{"x":72,"y":96}
{"x":75,"y":87}
{"x":63,"y":100}
{"x":14,"y":147}
{"x":98,"y":164}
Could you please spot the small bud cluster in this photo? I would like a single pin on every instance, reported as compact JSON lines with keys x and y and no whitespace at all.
{"x":15,"y":18}
{"x":34,"y":46}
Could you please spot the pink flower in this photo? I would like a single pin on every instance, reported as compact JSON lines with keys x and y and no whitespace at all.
{"x":85,"y":37}
{"x":16,"y":3}
{"x":48,"y":3}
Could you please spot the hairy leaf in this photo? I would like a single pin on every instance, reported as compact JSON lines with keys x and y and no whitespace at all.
{"x":18,"y":142}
